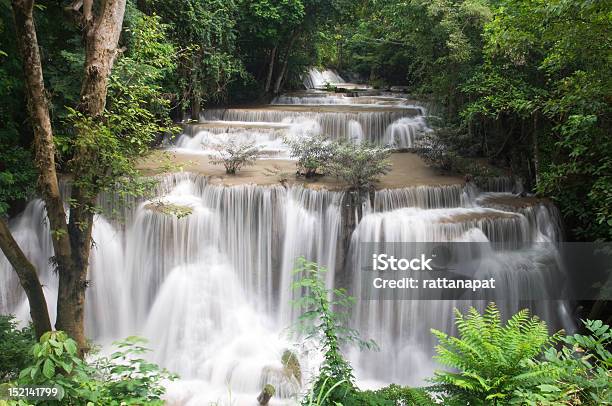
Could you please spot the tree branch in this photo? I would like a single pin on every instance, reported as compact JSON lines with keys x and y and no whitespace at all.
{"x":87,"y":11}
{"x":28,"y":278}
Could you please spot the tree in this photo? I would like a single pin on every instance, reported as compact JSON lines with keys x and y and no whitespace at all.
{"x":204,"y":31}
{"x":234,"y":155}
{"x":267,"y":24}
{"x":312,"y":153}
{"x":359,"y":165}
{"x":102,"y":142}
{"x":549,"y":91}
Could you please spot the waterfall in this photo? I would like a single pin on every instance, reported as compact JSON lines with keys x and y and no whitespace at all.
{"x":404,"y":132}
{"x":205,"y":271}
{"x":316,"y":78}
{"x":206,"y":142}
{"x":434,"y":214}
{"x":312,"y":228}
{"x":336,"y":125}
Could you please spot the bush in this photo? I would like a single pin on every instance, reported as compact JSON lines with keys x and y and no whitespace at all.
{"x":234,"y":155}
{"x":437,"y":151}
{"x":15,"y":347}
{"x":360,"y":166}
{"x":121,"y":379}
{"x":584,"y":368}
{"x":312,"y":154}
{"x":493,"y":360}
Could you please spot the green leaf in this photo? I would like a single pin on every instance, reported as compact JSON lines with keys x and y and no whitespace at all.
{"x":48,"y":369}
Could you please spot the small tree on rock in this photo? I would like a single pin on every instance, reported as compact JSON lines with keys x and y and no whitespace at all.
{"x":234,"y":155}
{"x":312,"y":153}
{"x":359,"y":165}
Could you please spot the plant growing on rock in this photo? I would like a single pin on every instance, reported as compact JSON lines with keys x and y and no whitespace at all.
{"x":170,"y":209}
{"x":312,"y":154}
{"x":234,"y":155}
{"x":359,"y":165}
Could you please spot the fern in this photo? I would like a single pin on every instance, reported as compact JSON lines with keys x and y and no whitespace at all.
{"x":492,"y":360}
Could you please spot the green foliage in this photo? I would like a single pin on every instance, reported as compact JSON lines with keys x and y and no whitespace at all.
{"x":282,"y":32}
{"x":493,"y":360}
{"x":136,"y":114}
{"x":313,"y":153}
{"x":359,"y":165}
{"x":204,"y":31}
{"x":234,"y":155}
{"x":525,"y":82}
{"x":393,"y":395}
{"x":584,"y":369}
{"x":402,"y":395}
{"x":17,"y":174}
{"x":539,"y":74}
{"x":121,"y":379}
{"x":324,"y":319}
{"x":440,"y":150}
{"x":15,"y":347}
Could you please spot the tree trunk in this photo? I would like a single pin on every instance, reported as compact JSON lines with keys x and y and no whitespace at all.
{"x":281,"y":75}
{"x":28,"y":278}
{"x":270,"y":69}
{"x":38,"y":109}
{"x":102,"y":33}
{"x":536,"y":150}
{"x":72,"y":240}
{"x":195,"y":107}
{"x":44,"y":155}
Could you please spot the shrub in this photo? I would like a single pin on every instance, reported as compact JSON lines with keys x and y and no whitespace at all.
{"x":121,"y":379}
{"x":584,"y":368}
{"x":493,"y":360}
{"x":436,"y":153}
{"x":312,"y":153}
{"x":324,"y":319}
{"x":233,"y":155}
{"x":360,"y":166}
{"x":15,"y":347}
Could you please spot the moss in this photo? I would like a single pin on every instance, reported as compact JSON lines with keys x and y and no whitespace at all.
{"x":291,"y":364}
{"x":170,"y":209}
{"x":269,"y":390}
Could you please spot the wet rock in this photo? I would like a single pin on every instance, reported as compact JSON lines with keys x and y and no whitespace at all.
{"x":291,"y":365}
{"x":266,"y":394}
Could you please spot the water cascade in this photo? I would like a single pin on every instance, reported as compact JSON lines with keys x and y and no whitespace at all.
{"x":204,"y":271}
{"x":316,"y":78}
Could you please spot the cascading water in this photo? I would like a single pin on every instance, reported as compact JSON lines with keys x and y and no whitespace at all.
{"x":316,"y":78}
{"x":440,"y":215}
{"x":205,"y":271}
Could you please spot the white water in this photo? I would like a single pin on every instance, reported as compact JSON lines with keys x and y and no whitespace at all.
{"x":316,"y":78}
{"x":211,"y":290}
{"x":385,"y":119}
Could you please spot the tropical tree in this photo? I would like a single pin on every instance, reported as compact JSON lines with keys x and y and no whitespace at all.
{"x":111,"y":124}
